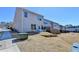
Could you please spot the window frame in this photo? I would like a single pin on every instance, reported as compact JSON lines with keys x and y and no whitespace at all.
{"x":25,"y":14}
{"x":33,"y":26}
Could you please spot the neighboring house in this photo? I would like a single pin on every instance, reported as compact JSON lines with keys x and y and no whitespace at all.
{"x":27,"y":21}
{"x":2,"y":24}
{"x":56,"y":27}
{"x":5,"y":24}
{"x":62,"y":29}
{"x":47,"y":24}
{"x":52,"y":26}
{"x":72,"y":28}
{"x":10,"y":24}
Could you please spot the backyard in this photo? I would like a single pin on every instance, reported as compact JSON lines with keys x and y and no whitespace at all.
{"x":56,"y":43}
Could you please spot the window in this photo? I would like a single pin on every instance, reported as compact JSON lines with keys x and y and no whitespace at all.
{"x":1,"y":34}
{"x":39,"y":27}
{"x":39,"y":18}
{"x":45,"y":23}
{"x":42,"y":27}
{"x":25,"y":14}
{"x":33,"y":26}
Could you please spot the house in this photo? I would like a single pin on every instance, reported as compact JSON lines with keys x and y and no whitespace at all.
{"x":56,"y":27}
{"x":52,"y":26}
{"x":2,"y":24}
{"x":62,"y":29}
{"x":27,"y":21}
{"x":72,"y":28}
{"x":47,"y":25}
{"x":6,"y":24}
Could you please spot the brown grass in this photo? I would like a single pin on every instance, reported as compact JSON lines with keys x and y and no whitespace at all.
{"x":46,"y":34}
{"x":37,"y":43}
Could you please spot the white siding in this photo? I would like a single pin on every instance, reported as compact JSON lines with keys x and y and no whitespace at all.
{"x":72,"y":29}
{"x":23,"y":24}
{"x":18,"y":20}
{"x":47,"y":23}
{"x":56,"y":26}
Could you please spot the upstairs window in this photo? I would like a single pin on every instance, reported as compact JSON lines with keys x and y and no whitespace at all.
{"x":39,"y":18}
{"x":45,"y":23}
{"x":25,"y":14}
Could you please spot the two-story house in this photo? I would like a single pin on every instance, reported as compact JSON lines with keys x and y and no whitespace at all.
{"x":27,"y":21}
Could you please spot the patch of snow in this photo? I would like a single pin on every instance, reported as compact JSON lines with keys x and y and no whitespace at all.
{"x":11,"y":49}
{"x":75,"y":47}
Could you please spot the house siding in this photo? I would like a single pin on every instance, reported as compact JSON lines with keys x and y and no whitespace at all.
{"x":53,"y":27}
{"x":18,"y":20}
{"x":23,"y":24}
